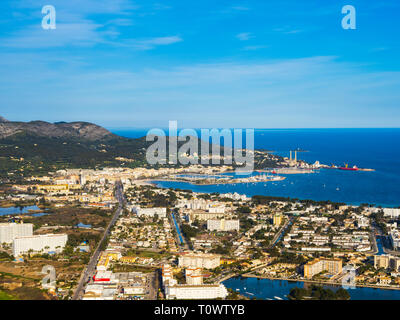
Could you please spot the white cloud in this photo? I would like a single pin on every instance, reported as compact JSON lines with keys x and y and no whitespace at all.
{"x":149,"y":44}
{"x":244,"y":36}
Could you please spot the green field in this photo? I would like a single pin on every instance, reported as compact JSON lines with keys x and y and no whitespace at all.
{"x":5,"y":296}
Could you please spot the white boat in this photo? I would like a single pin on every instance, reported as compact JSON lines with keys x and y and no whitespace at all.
{"x":278,"y":298}
{"x":252,"y":294}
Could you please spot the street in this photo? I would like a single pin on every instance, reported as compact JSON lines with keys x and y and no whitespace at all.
{"x":91,"y":267}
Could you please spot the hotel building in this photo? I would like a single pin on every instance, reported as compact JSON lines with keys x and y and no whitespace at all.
{"x":9,"y":231}
{"x":333,"y":266}
{"x":223,"y":225}
{"x":199,"y":260}
{"x":40,"y":243}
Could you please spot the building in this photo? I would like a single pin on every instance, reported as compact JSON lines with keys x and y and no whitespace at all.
{"x":386,"y":261}
{"x":393,"y":213}
{"x":167,"y":276}
{"x":395,"y":239}
{"x":332,"y":266}
{"x":381,"y":261}
{"x":194,"y":276}
{"x":150,"y":212}
{"x":194,"y":289}
{"x":41,"y":243}
{"x":9,"y":231}
{"x":196,"y":292}
{"x":277,"y":219}
{"x":203,"y":215}
{"x":199,"y":260}
{"x":223,"y":225}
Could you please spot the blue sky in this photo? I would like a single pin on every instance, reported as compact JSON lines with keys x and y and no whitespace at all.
{"x":253,"y":64}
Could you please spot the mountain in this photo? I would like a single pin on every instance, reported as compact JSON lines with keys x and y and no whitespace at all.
{"x":28,"y":146}
{"x":74,"y":130}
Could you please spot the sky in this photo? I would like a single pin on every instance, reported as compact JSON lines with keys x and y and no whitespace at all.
{"x":205,"y":64}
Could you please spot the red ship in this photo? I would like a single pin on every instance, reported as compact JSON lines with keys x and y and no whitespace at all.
{"x":354,"y":168}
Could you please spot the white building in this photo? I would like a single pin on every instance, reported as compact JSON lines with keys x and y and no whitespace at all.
{"x":167,"y":276}
{"x":40,"y":243}
{"x":9,"y":231}
{"x":199,"y":260}
{"x":150,"y":212}
{"x":195,"y":292}
{"x":194,"y":276}
{"x":223,"y":225}
{"x":392,"y":213}
{"x":395,"y":239}
{"x":216,"y":209}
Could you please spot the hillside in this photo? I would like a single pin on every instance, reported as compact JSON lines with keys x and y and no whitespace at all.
{"x":29,"y":148}
{"x":73,"y":130}
{"x":40,"y":146}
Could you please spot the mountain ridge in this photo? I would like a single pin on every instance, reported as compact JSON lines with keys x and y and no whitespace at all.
{"x":73,"y":130}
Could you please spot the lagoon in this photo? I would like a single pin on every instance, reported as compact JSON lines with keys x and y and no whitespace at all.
{"x":17,"y":210}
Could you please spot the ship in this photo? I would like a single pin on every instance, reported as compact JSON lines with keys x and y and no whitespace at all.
{"x":346,"y":167}
{"x":354,"y":168}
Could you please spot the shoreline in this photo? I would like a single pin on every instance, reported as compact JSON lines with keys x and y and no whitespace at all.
{"x":212,"y":184}
{"x":348,"y":203}
{"x":249,"y":275}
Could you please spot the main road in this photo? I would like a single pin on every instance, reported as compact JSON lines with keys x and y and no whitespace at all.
{"x":91,"y":267}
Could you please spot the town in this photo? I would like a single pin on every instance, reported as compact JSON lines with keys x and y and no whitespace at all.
{"x":111,"y":234}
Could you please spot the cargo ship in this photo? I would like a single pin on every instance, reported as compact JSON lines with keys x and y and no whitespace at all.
{"x":354,"y":168}
{"x":346,"y":167}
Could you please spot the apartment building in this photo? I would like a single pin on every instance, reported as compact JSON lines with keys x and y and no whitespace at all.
{"x":9,"y":231}
{"x":199,"y":260}
{"x":40,"y":243}
{"x":332,"y":266}
{"x":223,"y":225}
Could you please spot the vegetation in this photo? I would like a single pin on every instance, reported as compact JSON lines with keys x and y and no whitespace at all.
{"x":318,"y":293}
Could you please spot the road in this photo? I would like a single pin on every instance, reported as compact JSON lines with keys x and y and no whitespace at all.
{"x":91,"y":267}
{"x":175,"y":221}
{"x":278,"y":235}
{"x":152,"y":286}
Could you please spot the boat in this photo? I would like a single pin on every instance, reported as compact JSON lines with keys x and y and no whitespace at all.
{"x":278,"y":298}
{"x":346,"y":167}
{"x":252,"y":294}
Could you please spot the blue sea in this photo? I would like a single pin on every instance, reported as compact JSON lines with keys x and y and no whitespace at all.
{"x":366,"y":148}
{"x":267,"y":289}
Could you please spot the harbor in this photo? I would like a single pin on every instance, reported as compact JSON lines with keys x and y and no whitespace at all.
{"x":278,"y":289}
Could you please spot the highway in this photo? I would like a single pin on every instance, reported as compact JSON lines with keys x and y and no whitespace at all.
{"x":91,"y":267}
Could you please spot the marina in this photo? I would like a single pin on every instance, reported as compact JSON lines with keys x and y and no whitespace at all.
{"x":267,"y":289}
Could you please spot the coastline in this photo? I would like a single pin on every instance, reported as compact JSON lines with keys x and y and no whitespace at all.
{"x":249,"y":275}
{"x":212,"y":184}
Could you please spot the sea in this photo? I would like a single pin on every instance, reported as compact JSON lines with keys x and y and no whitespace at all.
{"x":366,"y":148}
